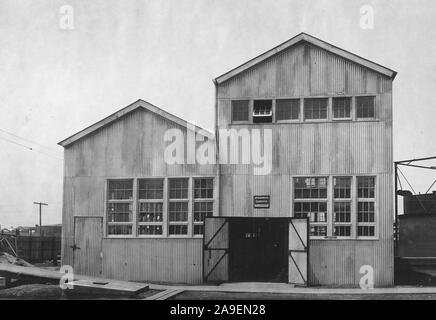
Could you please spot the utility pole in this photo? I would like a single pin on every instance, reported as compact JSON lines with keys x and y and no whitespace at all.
{"x":40,"y":219}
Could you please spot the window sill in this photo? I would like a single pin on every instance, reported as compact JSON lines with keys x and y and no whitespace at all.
{"x":343,"y":238}
{"x":282,"y":122}
{"x":157,"y":237}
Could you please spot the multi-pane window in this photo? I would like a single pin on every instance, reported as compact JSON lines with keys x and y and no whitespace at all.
{"x":337,"y":206}
{"x":366,"y":220}
{"x":315,"y":108}
{"x":262,"y":111}
{"x":287,"y":109}
{"x":178,"y":206}
{"x":365,"y":107}
{"x":150,"y":206}
{"x":119,"y":207}
{"x":203,"y":202}
{"x":310,"y":200}
{"x":341,"y":108}
{"x":342,"y":206}
{"x":240,"y":110}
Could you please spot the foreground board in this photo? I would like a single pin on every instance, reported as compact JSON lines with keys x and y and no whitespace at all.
{"x":108,"y":287}
{"x":82,"y":284}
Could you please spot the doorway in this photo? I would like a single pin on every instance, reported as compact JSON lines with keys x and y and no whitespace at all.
{"x":88,"y":235}
{"x":259,"y":250}
{"x":256,"y":250}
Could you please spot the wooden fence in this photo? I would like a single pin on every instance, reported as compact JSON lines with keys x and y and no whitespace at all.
{"x":35,"y":248}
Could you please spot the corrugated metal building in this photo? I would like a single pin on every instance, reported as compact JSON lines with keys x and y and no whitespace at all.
{"x":129,"y":214}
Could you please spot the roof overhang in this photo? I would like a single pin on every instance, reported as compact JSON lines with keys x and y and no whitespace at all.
{"x":304,"y":37}
{"x":139,"y":104}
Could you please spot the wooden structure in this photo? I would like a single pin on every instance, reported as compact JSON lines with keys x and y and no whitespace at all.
{"x":130,"y":215}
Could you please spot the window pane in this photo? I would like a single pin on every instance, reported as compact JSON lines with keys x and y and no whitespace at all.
{"x":178,"y":211}
{"x":342,"y":187}
{"x":315,"y":108}
{"x":316,"y":211}
{"x":150,"y":212}
{"x":119,"y":230}
{"x":150,"y":189}
{"x":365,"y":107}
{"x":342,"y":231}
{"x":319,"y":231}
{"x":310,"y":188}
{"x":287,"y":109}
{"x":202,"y":210}
{"x":240,"y":110}
{"x":178,"y":229}
{"x":150,"y":230}
{"x":365,"y":212}
{"x":366,"y":187}
{"x":341,"y":108}
{"x":178,"y":188}
{"x":342,"y":211}
{"x":120,"y":189}
{"x":119,"y":212}
{"x":366,"y":231}
{"x":203,"y":188}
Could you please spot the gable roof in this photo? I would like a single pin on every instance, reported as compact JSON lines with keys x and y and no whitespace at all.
{"x":304,"y":37}
{"x":139,"y":104}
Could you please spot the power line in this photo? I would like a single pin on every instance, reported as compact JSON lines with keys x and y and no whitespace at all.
{"x":28,"y":140}
{"x":30,"y":148}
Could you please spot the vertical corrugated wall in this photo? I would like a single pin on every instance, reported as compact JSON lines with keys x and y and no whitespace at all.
{"x":132,"y":147}
{"x":329,"y":148}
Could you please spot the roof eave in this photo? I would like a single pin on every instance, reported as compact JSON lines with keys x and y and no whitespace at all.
{"x":314,"y":41}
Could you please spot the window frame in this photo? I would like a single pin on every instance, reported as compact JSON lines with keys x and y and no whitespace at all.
{"x":135,"y":223}
{"x":342,"y":200}
{"x":201,"y":200}
{"x":372,"y":200}
{"x":312,"y":200}
{"x":356,"y":117}
{"x":249,"y":111}
{"x":150,"y":201}
{"x":350,"y":117}
{"x":327,"y":117}
{"x":109,"y":200}
{"x":330,"y":207}
{"x":297,"y":120}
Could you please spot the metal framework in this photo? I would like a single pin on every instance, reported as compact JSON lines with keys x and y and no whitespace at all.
{"x":407,"y":163}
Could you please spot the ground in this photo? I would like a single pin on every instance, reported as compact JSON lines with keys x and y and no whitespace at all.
{"x":211,"y":295}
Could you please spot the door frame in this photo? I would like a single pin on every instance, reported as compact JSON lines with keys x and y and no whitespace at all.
{"x":228,"y":221}
{"x":101,"y":240}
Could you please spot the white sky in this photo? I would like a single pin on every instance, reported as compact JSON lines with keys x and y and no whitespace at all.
{"x":55,"y":82}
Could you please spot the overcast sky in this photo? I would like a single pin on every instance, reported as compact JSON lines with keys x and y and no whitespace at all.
{"x":54,"y":82}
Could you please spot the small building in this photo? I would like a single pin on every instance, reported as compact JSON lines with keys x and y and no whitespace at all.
{"x":297,"y":187}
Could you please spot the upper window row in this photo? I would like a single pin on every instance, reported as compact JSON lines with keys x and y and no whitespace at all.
{"x":342,"y":108}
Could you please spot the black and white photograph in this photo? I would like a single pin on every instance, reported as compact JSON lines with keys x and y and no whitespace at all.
{"x":217,"y":155}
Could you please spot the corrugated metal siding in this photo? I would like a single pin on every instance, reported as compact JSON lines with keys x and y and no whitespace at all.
{"x":166,"y":260}
{"x":327,"y":148}
{"x":301,"y":71}
{"x":131,"y":147}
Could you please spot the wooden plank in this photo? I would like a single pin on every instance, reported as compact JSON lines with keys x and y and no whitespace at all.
{"x":116,"y":286}
{"x":102,"y":287}
{"x":165,"y":294}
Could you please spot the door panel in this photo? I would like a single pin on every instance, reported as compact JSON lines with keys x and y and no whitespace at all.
{"x":88,"y":235}
{"x":216,"y":245}
{"x":298,"y":251}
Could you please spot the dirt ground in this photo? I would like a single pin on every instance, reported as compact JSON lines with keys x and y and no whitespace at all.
{"x":202,"y":295}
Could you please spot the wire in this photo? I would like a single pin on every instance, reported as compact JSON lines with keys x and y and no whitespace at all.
{"x":30,"y":148}
{"x":25,"y":139}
